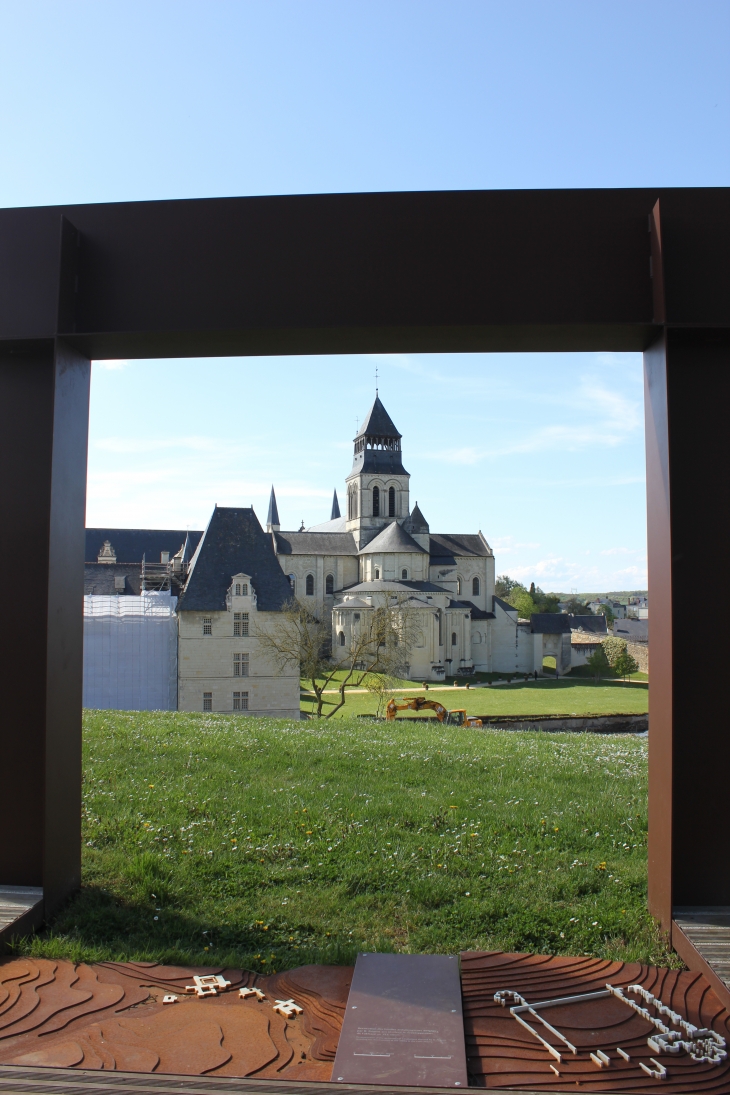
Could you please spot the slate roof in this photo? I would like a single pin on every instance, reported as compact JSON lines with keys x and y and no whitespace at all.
{"x":234,"y":543}
{"x":378,"y":422}
{"x":387,"y":586}
{"x":447,"y":545}
{"x":130,"y":544}
{"x":99,"y":579}
{"x":479,"y":613}
{"x":273,"y":515}
{"x":315,"y":542}
{"x":378,"y":461}
{"x":596,"y":624}
{"x":353,"y":602}
{"x":335,"y":507}
{"x":503,"y":604}
{"x":338,"y":524}
{"x":392,"y":538}
{"x":416,"y":522}
{"x":550,"y":623}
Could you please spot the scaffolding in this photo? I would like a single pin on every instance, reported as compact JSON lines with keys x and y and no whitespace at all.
{"x":130,"y":652}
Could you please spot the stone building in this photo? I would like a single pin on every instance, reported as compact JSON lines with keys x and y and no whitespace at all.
{"x":235,"y":588}
{"x":382,"y":551}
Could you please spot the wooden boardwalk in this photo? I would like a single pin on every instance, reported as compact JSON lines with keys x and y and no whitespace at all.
{"x":21,"y":909}
{"x":708,"y":930}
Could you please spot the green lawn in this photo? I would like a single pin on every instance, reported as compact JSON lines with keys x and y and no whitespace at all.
{"x":243,"y":841}
{"x":545,"y":696}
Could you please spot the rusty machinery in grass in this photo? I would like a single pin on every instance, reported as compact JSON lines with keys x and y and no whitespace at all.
{"x":455,"y":717}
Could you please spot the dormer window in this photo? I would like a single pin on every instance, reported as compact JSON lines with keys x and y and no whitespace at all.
{"x":241,"y":589}
{"x":164,"y":556}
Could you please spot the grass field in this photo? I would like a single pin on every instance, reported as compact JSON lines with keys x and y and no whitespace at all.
{"x":243,"y":841}
{"x":545,"y":696}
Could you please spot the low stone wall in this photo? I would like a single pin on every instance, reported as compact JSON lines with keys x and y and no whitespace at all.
{"x":640,"y":653}
{"x":593,"y":724}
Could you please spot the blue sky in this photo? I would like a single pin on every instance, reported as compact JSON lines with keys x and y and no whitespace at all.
{"x":105,"y":101}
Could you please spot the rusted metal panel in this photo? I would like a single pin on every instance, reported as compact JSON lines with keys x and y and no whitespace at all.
{"x":403,"y":1023}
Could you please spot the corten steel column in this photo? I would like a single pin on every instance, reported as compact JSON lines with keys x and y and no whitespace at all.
{"x":44,"y":398}
{"x":688,"y":386}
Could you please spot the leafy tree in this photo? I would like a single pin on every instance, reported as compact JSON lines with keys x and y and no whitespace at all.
{"x":380,"y":646}
{"x":625,"y":665}
{"x":598,"y":663}
{"x":545,"y":602}
{"x":504,"y":586}
{"x":520,"y":599}
{"x":577,"y":608}
{"x":613,"y":648}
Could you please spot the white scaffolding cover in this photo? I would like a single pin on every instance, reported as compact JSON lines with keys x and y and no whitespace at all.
{"x":130,"y":652}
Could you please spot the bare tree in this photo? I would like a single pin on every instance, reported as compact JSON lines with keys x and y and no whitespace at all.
{"x":379,"y":646}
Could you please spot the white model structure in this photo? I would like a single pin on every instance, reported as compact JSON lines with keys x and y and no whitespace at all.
{"x":244,"y":993}
{"x":210,"y":985}
{"x":702,"y":1044}
{"x":287,"y":1008}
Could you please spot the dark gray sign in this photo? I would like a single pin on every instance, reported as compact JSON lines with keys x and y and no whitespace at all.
{"x":403,"y":1023}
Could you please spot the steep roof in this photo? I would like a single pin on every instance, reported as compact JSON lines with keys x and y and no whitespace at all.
{"x":130,"y":544}
{"x":503,"y":604}
{"x":416,"y":522}
{"x":391,"y":539}
{"x":234,"y":543}
{"x":335,"y":507}
{"x":273,"y":517}
{"x":378,"y":422}
{"x":445,"y":546}
{"x":313,"y":542}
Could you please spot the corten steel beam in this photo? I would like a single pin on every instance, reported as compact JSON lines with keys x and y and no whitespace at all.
{"x":461,"y":271}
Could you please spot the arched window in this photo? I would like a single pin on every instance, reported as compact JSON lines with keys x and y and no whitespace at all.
{"x":293,"y":583}
{"x":458,"y":586}
{"x":376,"y":502}
{"x":475,"y":587}
{"x":391,"y":502}
{"x":310,"y":585}
{"x":477,"y":637}
{"x":329,"y":585}
{"x":453,"y":638}
{"x":377,"y":574}
{"x":404,"y":574}
{"x":341,"y":638}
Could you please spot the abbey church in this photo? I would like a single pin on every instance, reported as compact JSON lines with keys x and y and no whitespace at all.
{"x":383,"y":548}
{"x":234,"y":578}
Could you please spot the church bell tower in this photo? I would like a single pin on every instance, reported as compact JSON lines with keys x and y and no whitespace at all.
{"x":377,"y":486}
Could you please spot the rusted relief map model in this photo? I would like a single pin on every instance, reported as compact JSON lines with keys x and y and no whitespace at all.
{"x":534,"y":1022}
{"x":113,"y":1016}
{"x":143,"y":1017}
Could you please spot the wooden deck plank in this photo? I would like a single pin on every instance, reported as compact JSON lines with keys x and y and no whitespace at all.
{"x":21,"y":910}
{"x":708,"y":930}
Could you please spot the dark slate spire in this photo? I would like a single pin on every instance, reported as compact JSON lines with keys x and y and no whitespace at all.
{"x":335,"y":508}
{"x":377,"y":445}
{"x":378,"y":424}
{"x":272,"y":521}
{"x":416,"y":522}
